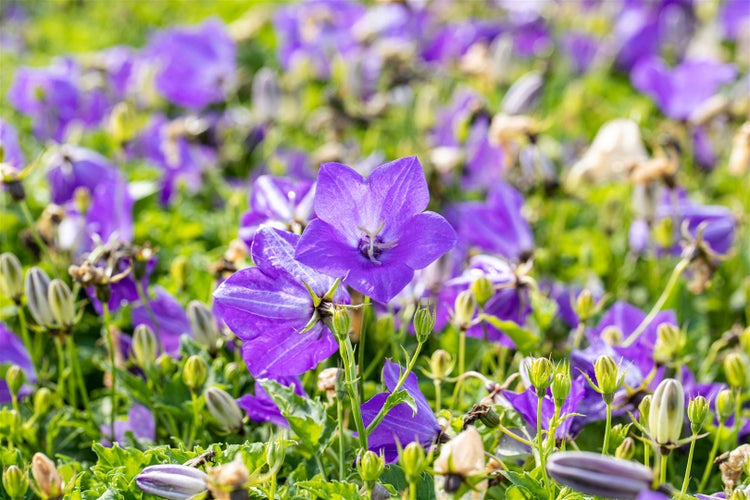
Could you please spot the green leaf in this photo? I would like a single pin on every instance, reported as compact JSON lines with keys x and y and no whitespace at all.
{"x":530,"y":487}
{"x":307,"y":418}
{"x":524,"y":339}
{"x":333,"y":490}
{"x":396,"y":398}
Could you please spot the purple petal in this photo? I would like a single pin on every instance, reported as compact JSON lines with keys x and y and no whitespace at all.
{"x":400,"y":188}
{"x":422,"y":240}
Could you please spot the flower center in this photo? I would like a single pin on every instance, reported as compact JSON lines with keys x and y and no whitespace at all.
{"x":371,"y":245}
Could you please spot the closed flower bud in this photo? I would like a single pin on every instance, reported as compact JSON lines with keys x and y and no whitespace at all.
{"x":599,"y":475}
{"x":11,"y":277}
{"x":225,"y":481}
{"x":618,"y":433}
{"x":43,"y":400}
{"x":490,"y":418}
{"x":626,"y":450}
{"x":15,"y":482}
{"x":560,"y":387}
{"x":178,"y":270}
{"x":669,"y":342}
{"x":203,"y":324}
{"x":15,"y":377}
{"x":608,"y":377}
{"x":465,"y":307}
{"x":195,"y":373}
{"x":224,"y":409}
{"x":644,"y":410}
{"x":341,"y":322}
{"x":61,"y":304}
{"x":667,"y":412}
{"x":145,"y":346}
{"x":47,"y":478}
{"x":540,"y":373}
{"x":725,"y":404}
{"x":441,"y":364}
{"x":233,"y":370}
{"x":275,"y":454}
{"x":483,"y":290}
{"x":412,"y":461}
{"x":745,"y":336}
{"x":424,"y":322}
{"x":174,"y":482}
{"x":36,"y":285}
{"x":697,"y":412}
{"x":370,"y":466}
{"x":735,"y":369}
{"x":585,"y":305}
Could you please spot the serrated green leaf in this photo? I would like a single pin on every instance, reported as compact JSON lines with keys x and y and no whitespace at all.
{"x":333,"y":490}
{"x":396,"y":398}
{"x":530,"y":487}
{"x":524,"y":339}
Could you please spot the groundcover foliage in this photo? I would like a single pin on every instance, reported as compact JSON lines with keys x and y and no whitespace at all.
{"x":416,"y":249}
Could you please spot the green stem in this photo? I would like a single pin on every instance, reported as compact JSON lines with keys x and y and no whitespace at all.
{"x":540,"y":461}
{"x":663,"y":469}
{"x":350,"y":381}
{"x":438,"y":395}
{"x":686,"y":480}
{"x":61,"y":381}
{"x":113,"y":374}
{"x":607,"y":425}
{"x":461,"y":365}
{"x":578,"y":335}
{"x":78,"y":374}
{"x":738,"y":413}
{"x":647,"y":456}
{"x":340,"y":416}
{"x":194,"y":423}
{"x":711,"y":457}
{"x":30,"y":345}
{"x":673,"y":278}
{"x":361,"y":344}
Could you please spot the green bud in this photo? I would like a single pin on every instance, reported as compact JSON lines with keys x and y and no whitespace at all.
{"x":697,"y":411}
{"x":483,"y":290}
{"x":735,"y":370}
{"x":608,"y":377}
{"x":725,"y":404}
{"x":540,"y":373}
{"x":15,"y":377}
{"x":275,"y":454}
{"x":179,"y":270}
{"x":612,"y":335}
{"x":145,"y":346}
{"x":738,"y":494}
{"x":203,"y":324}
{"x":43,"y":400}
{"x":195,"y":373}
{"x":61,"y":304}
{"x":371,"y":466}
{"x":412,"y":461}
{"x":618,"y":433}
{"x":224,"y":409}
{"x":82,"y":199}
{"x":424,"y":322}
{"x":626,"y":450}
{"x":745,"y":340}
{"x":341,"y":322}
{"x":167,"y":365}
{"x":560,"y":387}
{"x":441,"y":364}
{"x":669,"y":342}
{"x":644,"y":410}
{"x":11,"y":277}
{"x":465,"y":307}
{"x":667,"y":412}
{"x":15,"y":482}
{"x":490,"y":418}
{"x":48,"y":480}
{"x":36,"y":286}
{"x":123,"y":122}
{"x":233,"y":370}
{"x":585,"y":305}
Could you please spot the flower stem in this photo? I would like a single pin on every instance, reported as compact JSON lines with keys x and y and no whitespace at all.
{"x":607,"y":425}
{"x":350,"y":381}
{"x":340,"y":417}
{"x":78,"y":374}
{"x":361,"y":344}
{"x":461,"y":361}
{"x":111,"y":348}
{"x":686,"y":480}
{"x":30,"y":346}
{"x":663,"y":468}
{"x":438,"y":395}
{"x":676,"y":273}
{"x":711,"y":457}
{"x":61,"y":379}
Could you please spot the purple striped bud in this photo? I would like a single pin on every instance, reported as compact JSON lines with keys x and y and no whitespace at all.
{"x":171,"y":481}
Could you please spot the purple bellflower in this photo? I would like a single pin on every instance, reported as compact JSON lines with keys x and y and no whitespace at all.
{"x":735,"y":17}
{"x":12,"y":153}
{"x":374,"y":232}
{"x":13,"y":352}
{"x":195,"y":65}
{"x":140,"y":422}
{"x":272,"y":309}
{"x":73,"y":167}
{"x":680,"y":90}
{"x":171,"y":318}
{"x":261,"y":408}
{"x":401,"y":425}
{"x":280,"y":202}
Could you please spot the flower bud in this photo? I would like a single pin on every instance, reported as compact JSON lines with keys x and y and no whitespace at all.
{"x":233,"y":370}
{"x":15,"y":482}
{"x":195,"y":373}
{"x":626,"y":450}
{"x":725,"y":404}
{"x":370,"y":466}
{"x":123,"y":122}
{"x":483,"y":290}
{"x":275,"y":454}
{"x":560,"y":387}
{"x":424,"y":322}
{"x":745,"y":335}
{"x":490,"y":418}
{"x":47,"y":478}
{"x":229,"y":478}
{"x":607,"y":375}
{"x":599,"y":475}
{"x":203,"y":324}
{"x":669,"y":342}
{"x":540,"y":372}
{"x":341,"y":322}
{"x":224,"y":409}
{"x":697,"y":412}
{"x":11,"y":277}
{"x":585,"y":305}
{"x":15,"y":377}
{"x":412,"y":461}
{"x":738,"y":494}
{"x":667,"y":412}
{"x":465,"y":306}
{"x":644,"y":410}
{"x":178,"y":270}
{"x":36,"y":285}
{"x":171,"y":481}
{"x":441,"y":364}
{"x":735,"y":370}
{"x":61,"y":304}
{"x":43,"y":400}
{"x":167,"y":365}
{"x":462,"y":456}
{"x":618,"y":433}
{"x":145,"y":345}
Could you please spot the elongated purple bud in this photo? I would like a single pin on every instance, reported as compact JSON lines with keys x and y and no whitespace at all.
{"x":598,"y":475}
{"x":172,"y":481}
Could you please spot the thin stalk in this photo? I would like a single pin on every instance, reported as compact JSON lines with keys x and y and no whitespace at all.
{"x":340,"y":417}
{"x":673,"y":278}
{"x":31,"y":346}
{"x":607,"y":425}
{"x":711,"y":457}
{"x":194,"y":423}
{"x":78,"y":374}
{"x":461,"y":365}
{"x":61,"y":379}
{"x":438,"y":394}
{"x":686,"y":480}
{"x":738,"y":413}
{"x":361,"y":344}
{"x":113,"y":373}
{"x":663,"y":468}
{"x":350,"y":381}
